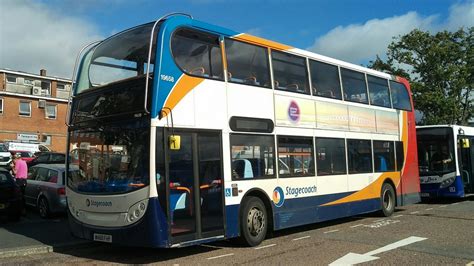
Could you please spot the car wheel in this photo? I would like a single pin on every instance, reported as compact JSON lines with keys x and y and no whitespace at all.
{"x":387,"y":200}
{"x":253,"y":223}
{"x":43,"y":208}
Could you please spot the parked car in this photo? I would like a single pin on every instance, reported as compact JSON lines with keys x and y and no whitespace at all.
{"x":11,"y":198}
{"x":5,"y":157}
{"x":48,"y":158}
{"x":26,"y":156}
{"x":45,"y":188}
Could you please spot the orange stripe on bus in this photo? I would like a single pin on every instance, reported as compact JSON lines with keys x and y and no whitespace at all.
{"x":260,"y":41}
{"x":404,"y":136}
{"x":372,"y":191}
{"x":183,"y":87}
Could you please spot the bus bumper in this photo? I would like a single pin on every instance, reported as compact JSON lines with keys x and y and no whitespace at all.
{"x":150,"y":231}
{"x":455,"y":190}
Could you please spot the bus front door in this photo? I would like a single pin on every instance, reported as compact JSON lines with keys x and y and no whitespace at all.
{"x":195,"y":181}
{"x":466,"y":146}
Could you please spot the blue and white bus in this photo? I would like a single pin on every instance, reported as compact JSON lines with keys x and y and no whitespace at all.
{"x":446,"y":160}
{"x":186,"y":132}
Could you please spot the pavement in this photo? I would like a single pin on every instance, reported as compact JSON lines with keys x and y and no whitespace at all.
{"x":33,"y":235}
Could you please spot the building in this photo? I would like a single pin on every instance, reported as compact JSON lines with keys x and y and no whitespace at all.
{"x":33,"y":108}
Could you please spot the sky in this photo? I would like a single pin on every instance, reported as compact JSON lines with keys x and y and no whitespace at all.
{"x":48,"y":34}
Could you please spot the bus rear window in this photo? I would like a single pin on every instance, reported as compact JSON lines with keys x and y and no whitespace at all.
{"x":400,"y":97}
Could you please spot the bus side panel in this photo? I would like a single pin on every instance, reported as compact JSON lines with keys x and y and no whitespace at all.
{"x":410,"y":181}
{"x":232,"y":221}
{"x":293,"y":213}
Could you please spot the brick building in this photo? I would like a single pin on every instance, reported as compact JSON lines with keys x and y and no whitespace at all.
{"x":33,"y":108}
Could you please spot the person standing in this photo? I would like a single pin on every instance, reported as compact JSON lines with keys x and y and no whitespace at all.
{"x":21,"y":172}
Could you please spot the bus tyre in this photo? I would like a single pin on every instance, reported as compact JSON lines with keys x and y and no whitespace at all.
{"x":387,"y":200}
{"x":253,"y":222}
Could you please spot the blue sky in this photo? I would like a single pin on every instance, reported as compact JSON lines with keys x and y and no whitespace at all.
{"x":49,"y":33}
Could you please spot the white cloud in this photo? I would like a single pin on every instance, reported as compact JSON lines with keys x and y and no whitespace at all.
{"x":35,"y":36}
{"x":460,"y":15}
{"x":358,"y":43}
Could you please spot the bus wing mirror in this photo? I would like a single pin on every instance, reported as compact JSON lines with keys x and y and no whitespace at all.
{"x":174,"y":142}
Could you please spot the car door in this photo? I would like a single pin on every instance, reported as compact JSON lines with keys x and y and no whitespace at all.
{"x":38,"y":183}
{"x":30,"y":189}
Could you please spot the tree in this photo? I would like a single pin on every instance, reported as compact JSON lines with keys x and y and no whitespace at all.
{"x":440,"y":68}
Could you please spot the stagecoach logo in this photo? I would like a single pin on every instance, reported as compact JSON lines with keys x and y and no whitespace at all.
{"x":294,"y":112}
{"x":95,"y":203}
{"x":278,"y":197}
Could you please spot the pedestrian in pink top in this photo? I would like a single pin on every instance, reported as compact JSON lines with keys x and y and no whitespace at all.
{"x":21,"y":171}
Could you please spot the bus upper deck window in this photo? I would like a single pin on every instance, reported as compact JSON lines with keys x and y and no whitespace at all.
{"x":198,"y":53}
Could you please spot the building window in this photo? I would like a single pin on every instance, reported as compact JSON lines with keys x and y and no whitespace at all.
{"x":11,"y":79}
{"x":25,"y":108}
{"x":354,"y":86}
{"x":378,"y":90}
{"x":28,"y":82}
{"x":1,"y":106}
{"x":290,"y":72}
{"x":359,"y":154}
{"x":325,"y":80}
{"x":198,"y":54}
{"x":400,"y":97}
{"x":60,"y":86}
{"x":295,"y":156}
{"x":50,"y":111}
{"x":331,"y":156}
{"x":247,"y":64}
{"x":252,"y":156}
{"x":384,"y":156}
{"x":46,"y":88}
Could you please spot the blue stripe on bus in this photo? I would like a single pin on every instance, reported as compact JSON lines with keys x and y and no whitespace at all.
{"x":301,"y":211}
{"x":232,"y":221}
{"x":455,"y":190}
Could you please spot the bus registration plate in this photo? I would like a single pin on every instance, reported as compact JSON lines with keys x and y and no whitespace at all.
{"x":103,"y":238}
{"x":424,"y":195}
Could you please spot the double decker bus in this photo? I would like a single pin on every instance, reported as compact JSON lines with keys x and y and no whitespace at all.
{"x":190,"y":133}
{"x":446,"y":160}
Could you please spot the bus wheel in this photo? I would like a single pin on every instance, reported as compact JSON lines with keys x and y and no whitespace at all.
{"x":387,"y":200}
{"x":253,"y":221}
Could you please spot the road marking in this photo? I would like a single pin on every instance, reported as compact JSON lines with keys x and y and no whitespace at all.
{"x":379,"y":220}
{"x":382,"y":223}
{"x":357,"y":225}
{"x":443,"y":206}
{"x":221,"y":256}
{"x":470,"y":263}
{"x":414,"y":212}
{"x":332,"y":231}
{"x":396,"y":216}
{"x":429,"y":209}
{"x":267,"y":246}
{"x":456,"y":203}
{"x":299,"y":238}
{"x":354,"y":258}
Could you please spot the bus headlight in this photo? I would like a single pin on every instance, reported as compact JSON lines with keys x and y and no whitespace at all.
{"x":137,"y":211}
{"x":447,"y":182}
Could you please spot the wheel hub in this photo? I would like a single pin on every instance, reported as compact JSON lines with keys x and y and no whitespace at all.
{"x":255,"y":221}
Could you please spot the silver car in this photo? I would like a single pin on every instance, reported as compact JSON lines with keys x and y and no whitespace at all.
{"x":45,"y":188}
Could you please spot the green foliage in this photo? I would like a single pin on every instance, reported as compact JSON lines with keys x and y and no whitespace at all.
{"x":440,"y":68}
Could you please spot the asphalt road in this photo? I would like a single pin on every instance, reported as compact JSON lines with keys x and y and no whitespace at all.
{"x":436,"y":233}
